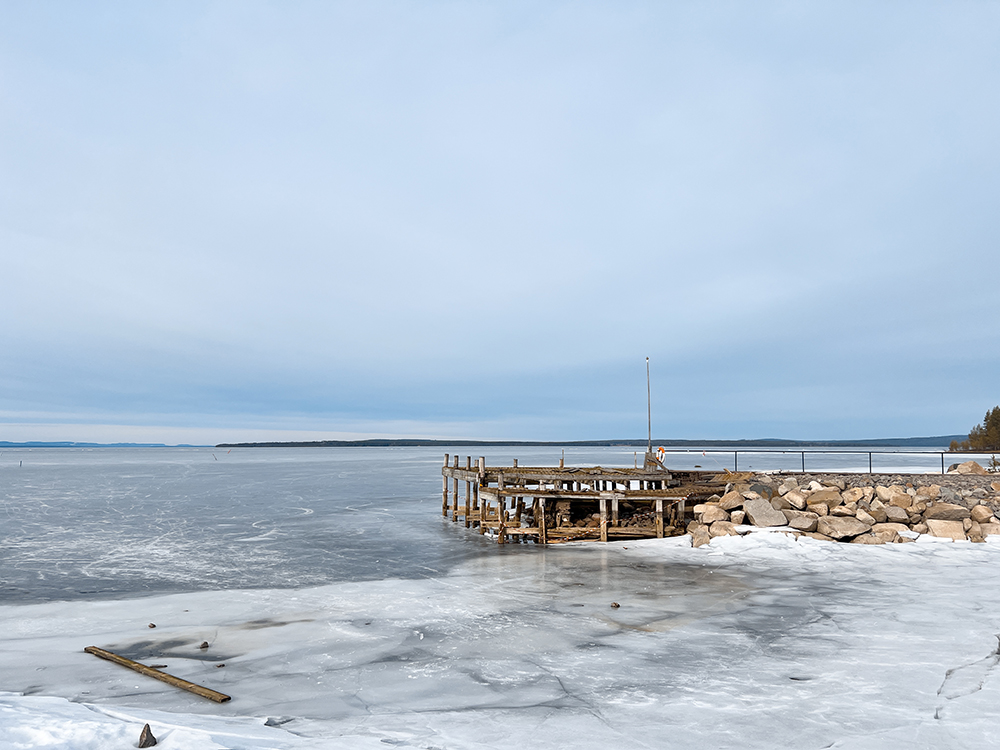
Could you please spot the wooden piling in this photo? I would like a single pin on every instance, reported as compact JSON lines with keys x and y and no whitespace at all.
{"x":501,"y":512}
{"x":659,"y":518}
{"x":543,"y":537}
{"x":444,"y":493}
{"x":604,"y":519}
{"x":454,"y":495}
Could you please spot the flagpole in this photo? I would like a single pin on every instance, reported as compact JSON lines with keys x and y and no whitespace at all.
{"x":649,"y":412}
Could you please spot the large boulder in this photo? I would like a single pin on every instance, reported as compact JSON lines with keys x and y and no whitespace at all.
{"x":713,"y":513}
{"x":900,"y":500}
{"x":787,"y":486}
{"x":779,"y":503}
{"x":722,"y":528}
{"x":761,"y":513}
{"x":804,"y":518}
{"x":862,"y":516}
{"x":982,"y":514}
{"x":895,"y":514}
{"x":700,"y":536}
{"x":878,"y":510}
{"x":946,"y":529}
{"x":829,"y":497}
{"x":929,"y":492}
{"x":946,"y":512}
{"x":970,"y":467}
{"x":889,"y":530}
{"x":820,"y":509}
{"x":796,"y":498}
{"x":731,"y":500}
{"x":990,"y":529}
{"x":853,"y":495}
{"x":841,"y":527}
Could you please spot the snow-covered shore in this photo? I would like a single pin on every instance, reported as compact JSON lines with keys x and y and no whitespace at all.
{"x":758,"y":641}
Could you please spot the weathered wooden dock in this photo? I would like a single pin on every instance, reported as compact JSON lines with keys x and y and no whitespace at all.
{"x":548,"y":504}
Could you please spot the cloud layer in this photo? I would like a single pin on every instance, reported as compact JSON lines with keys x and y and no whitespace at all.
{"x":478,"y":219}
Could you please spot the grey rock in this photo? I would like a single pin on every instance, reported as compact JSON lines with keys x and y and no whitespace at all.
{"x":761,"y":513}
{"x":146,"y":739}
{"x":788,"y":485}
{"x":780,"y":503}
{"x":895,"y":514}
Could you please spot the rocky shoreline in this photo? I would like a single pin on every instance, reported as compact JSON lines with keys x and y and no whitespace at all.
{"x":858,"y":508}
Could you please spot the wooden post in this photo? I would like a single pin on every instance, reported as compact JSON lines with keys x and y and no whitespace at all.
{"x":484,"y":508}
{"x":468,"y":493}
{"x":659,"y":518}
{"x":454,"y":496}
{"x":444,"y":493}
{"x":614,"y":511}
{"x":604,"y":519}
{"x":515,"y":463}
{"x":501,"y":511}
{"x":543,"y":536}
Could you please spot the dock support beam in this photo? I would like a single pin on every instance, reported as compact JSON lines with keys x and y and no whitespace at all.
{"x":468,"y":494}
{"x":454,"y":496}
{"x":543,"y":536}
{"x":659,"y":518}
{"x":444,"y":492}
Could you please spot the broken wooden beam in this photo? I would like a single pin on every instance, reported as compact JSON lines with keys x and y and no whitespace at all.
{"x":156,"y":674}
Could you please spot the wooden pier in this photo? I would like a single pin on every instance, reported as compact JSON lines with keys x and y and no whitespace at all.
{"x":548,"y":504}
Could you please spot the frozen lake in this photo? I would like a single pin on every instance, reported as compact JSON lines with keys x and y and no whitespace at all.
{"x":348,"y":613}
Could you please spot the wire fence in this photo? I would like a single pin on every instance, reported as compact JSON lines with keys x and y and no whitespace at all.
{"x":847,"y":461}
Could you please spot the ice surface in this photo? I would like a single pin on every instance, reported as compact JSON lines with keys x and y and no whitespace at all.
{"x":751,"y":642}
{"x":756,"y":642}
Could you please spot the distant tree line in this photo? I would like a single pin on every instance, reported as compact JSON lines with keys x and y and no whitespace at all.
{"x":982,"y":437}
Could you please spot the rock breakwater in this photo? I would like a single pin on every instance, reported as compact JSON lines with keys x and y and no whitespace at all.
{"x":860,"y":509}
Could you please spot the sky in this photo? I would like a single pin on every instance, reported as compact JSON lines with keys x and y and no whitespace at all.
{"x":226,"y":221}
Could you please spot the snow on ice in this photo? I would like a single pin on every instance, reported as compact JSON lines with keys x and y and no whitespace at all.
{"x":760,"y":641}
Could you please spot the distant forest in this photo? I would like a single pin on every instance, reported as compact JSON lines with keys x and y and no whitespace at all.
{"x":913,"y":442}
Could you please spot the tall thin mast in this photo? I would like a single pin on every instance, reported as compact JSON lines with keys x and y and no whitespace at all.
{"x":649,"y":412}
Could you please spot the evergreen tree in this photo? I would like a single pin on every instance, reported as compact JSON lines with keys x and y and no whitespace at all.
{"x":982,"y":437}
{"x":986,"y":436}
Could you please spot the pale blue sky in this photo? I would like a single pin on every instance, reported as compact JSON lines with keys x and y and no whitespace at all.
{"x":238,"y":220}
